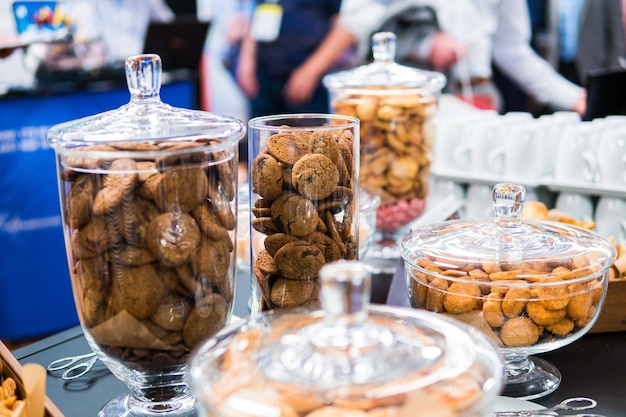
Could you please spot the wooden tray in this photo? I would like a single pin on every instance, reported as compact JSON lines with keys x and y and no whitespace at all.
{"x":12,"y":368}
{"x":613,"y":315}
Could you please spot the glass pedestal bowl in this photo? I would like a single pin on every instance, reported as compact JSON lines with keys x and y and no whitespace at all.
{"x":530,"y":286}
{"x":148,"y":197}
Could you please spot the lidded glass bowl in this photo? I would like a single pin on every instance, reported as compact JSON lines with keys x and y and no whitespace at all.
{"x":395,"y":105}
{"x":148,"y":198}
{"x":530,"y":286}
{"x":350,"y":358}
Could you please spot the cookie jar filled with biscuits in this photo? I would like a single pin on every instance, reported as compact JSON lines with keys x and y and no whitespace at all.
{"x":304,"y":203}
{"x":149,"y":206}
{"x":531,"y":286}
{"x":350,"y":358}
{"x":395,"y":105}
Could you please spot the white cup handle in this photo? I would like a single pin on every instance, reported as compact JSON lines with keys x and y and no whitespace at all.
{"x":461,"y":156}
{"x":496,"y":160}
{"x":590,"y":167}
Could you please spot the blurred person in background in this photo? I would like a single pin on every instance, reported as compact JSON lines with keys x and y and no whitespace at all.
{"x":468,"y":39}
{"x":578,"y":36}
{"x":289,"y":47}
{"x":125,"y":24}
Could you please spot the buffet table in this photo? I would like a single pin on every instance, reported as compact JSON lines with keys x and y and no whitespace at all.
{"x":594,"y":366}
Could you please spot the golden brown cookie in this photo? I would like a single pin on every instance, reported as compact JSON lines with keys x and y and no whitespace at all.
{"x":120,"y":179}
{"x":276,"y":241}
{"x":315,"y":176}
{"x":137,"y":216}
{"x":287,"y":293}
{"x":172,"y":312}
{"x":299,"y":260}
{"x":173,"y":237}
{"x":212,"y":260}
{"x":325,"y":143}
{"x":288,"y":148}
{"x":209,"y":222}
{"x":294,"y":214}
{"x":266,"y":176}
{"x":96,"y":235}
{"x":182,"y":189}
{"x":139,"y":290}
{"x":207,"y":317}
{"x":79,"y":201}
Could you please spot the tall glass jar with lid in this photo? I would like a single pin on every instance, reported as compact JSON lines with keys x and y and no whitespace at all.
{"x":148,"y":198}
{"x":395,"y":105}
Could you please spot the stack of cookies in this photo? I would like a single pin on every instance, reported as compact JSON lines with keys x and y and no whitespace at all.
{"x":304,"y":210}
{"x":396,"y":150}
{"x":151,"y":227}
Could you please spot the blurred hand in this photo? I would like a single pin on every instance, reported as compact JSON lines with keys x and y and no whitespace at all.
{"x":580,"y":106}
{"x":301,"y":85}
{"x":246,"y":77}
{"x":445,"y":50}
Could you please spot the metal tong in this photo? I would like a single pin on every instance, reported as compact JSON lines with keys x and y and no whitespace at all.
{"x":73,"y":366}
{"x":569,"y":404}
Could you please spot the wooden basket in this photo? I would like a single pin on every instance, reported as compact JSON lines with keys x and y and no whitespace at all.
{"x":12,"y":368}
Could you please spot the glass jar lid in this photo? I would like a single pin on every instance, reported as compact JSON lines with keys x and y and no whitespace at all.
{"x":145,"y":117}
{"x":349,"y":351}
{"x":517,"y":247}
{"x":384,"y":73}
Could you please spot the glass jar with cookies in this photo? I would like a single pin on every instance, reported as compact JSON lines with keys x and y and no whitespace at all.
{"x":395,"y":105}
{"x":148,"y":199}
{"x":304,"y":203}
{"x":531,"y":286}
{"x":349,"y":358}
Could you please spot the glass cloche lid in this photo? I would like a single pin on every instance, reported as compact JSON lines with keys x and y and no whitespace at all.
{"x":145,"y":117}
{"x":350,"y":352}
{"x":521,"y":248}
{"x":384,"y":72}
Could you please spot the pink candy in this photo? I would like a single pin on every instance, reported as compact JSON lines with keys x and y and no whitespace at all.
{"x":393,"y":216}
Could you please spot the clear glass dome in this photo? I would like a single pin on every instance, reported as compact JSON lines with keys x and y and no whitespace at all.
{"x":348,"y":356}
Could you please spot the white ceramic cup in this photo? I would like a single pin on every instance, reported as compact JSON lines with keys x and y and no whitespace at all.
{"x":611,"y":157}
{"x":525,"y":158}
{"x":575,"y":158}
{"x":610,"y":216}
{"x":578,"y":206}
{"x":451,"y":149}
{"x":487,"y":154}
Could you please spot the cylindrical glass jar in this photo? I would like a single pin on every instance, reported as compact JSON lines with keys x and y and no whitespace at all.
{"x":304,"y":202}
{"x":148,"y":197}
{"x":395,"y":105}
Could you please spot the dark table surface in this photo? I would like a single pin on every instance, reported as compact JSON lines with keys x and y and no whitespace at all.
{"x":593,"y":366}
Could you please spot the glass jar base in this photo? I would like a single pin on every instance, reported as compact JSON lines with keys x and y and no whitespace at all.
{"x":124,"y":406}
{"x":539,"y":379}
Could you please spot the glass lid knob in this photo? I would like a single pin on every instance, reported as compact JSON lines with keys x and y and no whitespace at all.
{"x":143,"y":76}
{"x":384,"y":46}
{"x":508,"y":201}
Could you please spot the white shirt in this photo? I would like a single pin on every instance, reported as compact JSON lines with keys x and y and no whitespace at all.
{"x":495,"y":31}
{"x":125,"y":23}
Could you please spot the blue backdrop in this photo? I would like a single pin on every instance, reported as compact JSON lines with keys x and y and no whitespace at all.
{"x":35,"y":290}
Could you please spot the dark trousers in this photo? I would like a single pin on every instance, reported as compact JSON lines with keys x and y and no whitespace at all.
{"x":271,"y":101}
